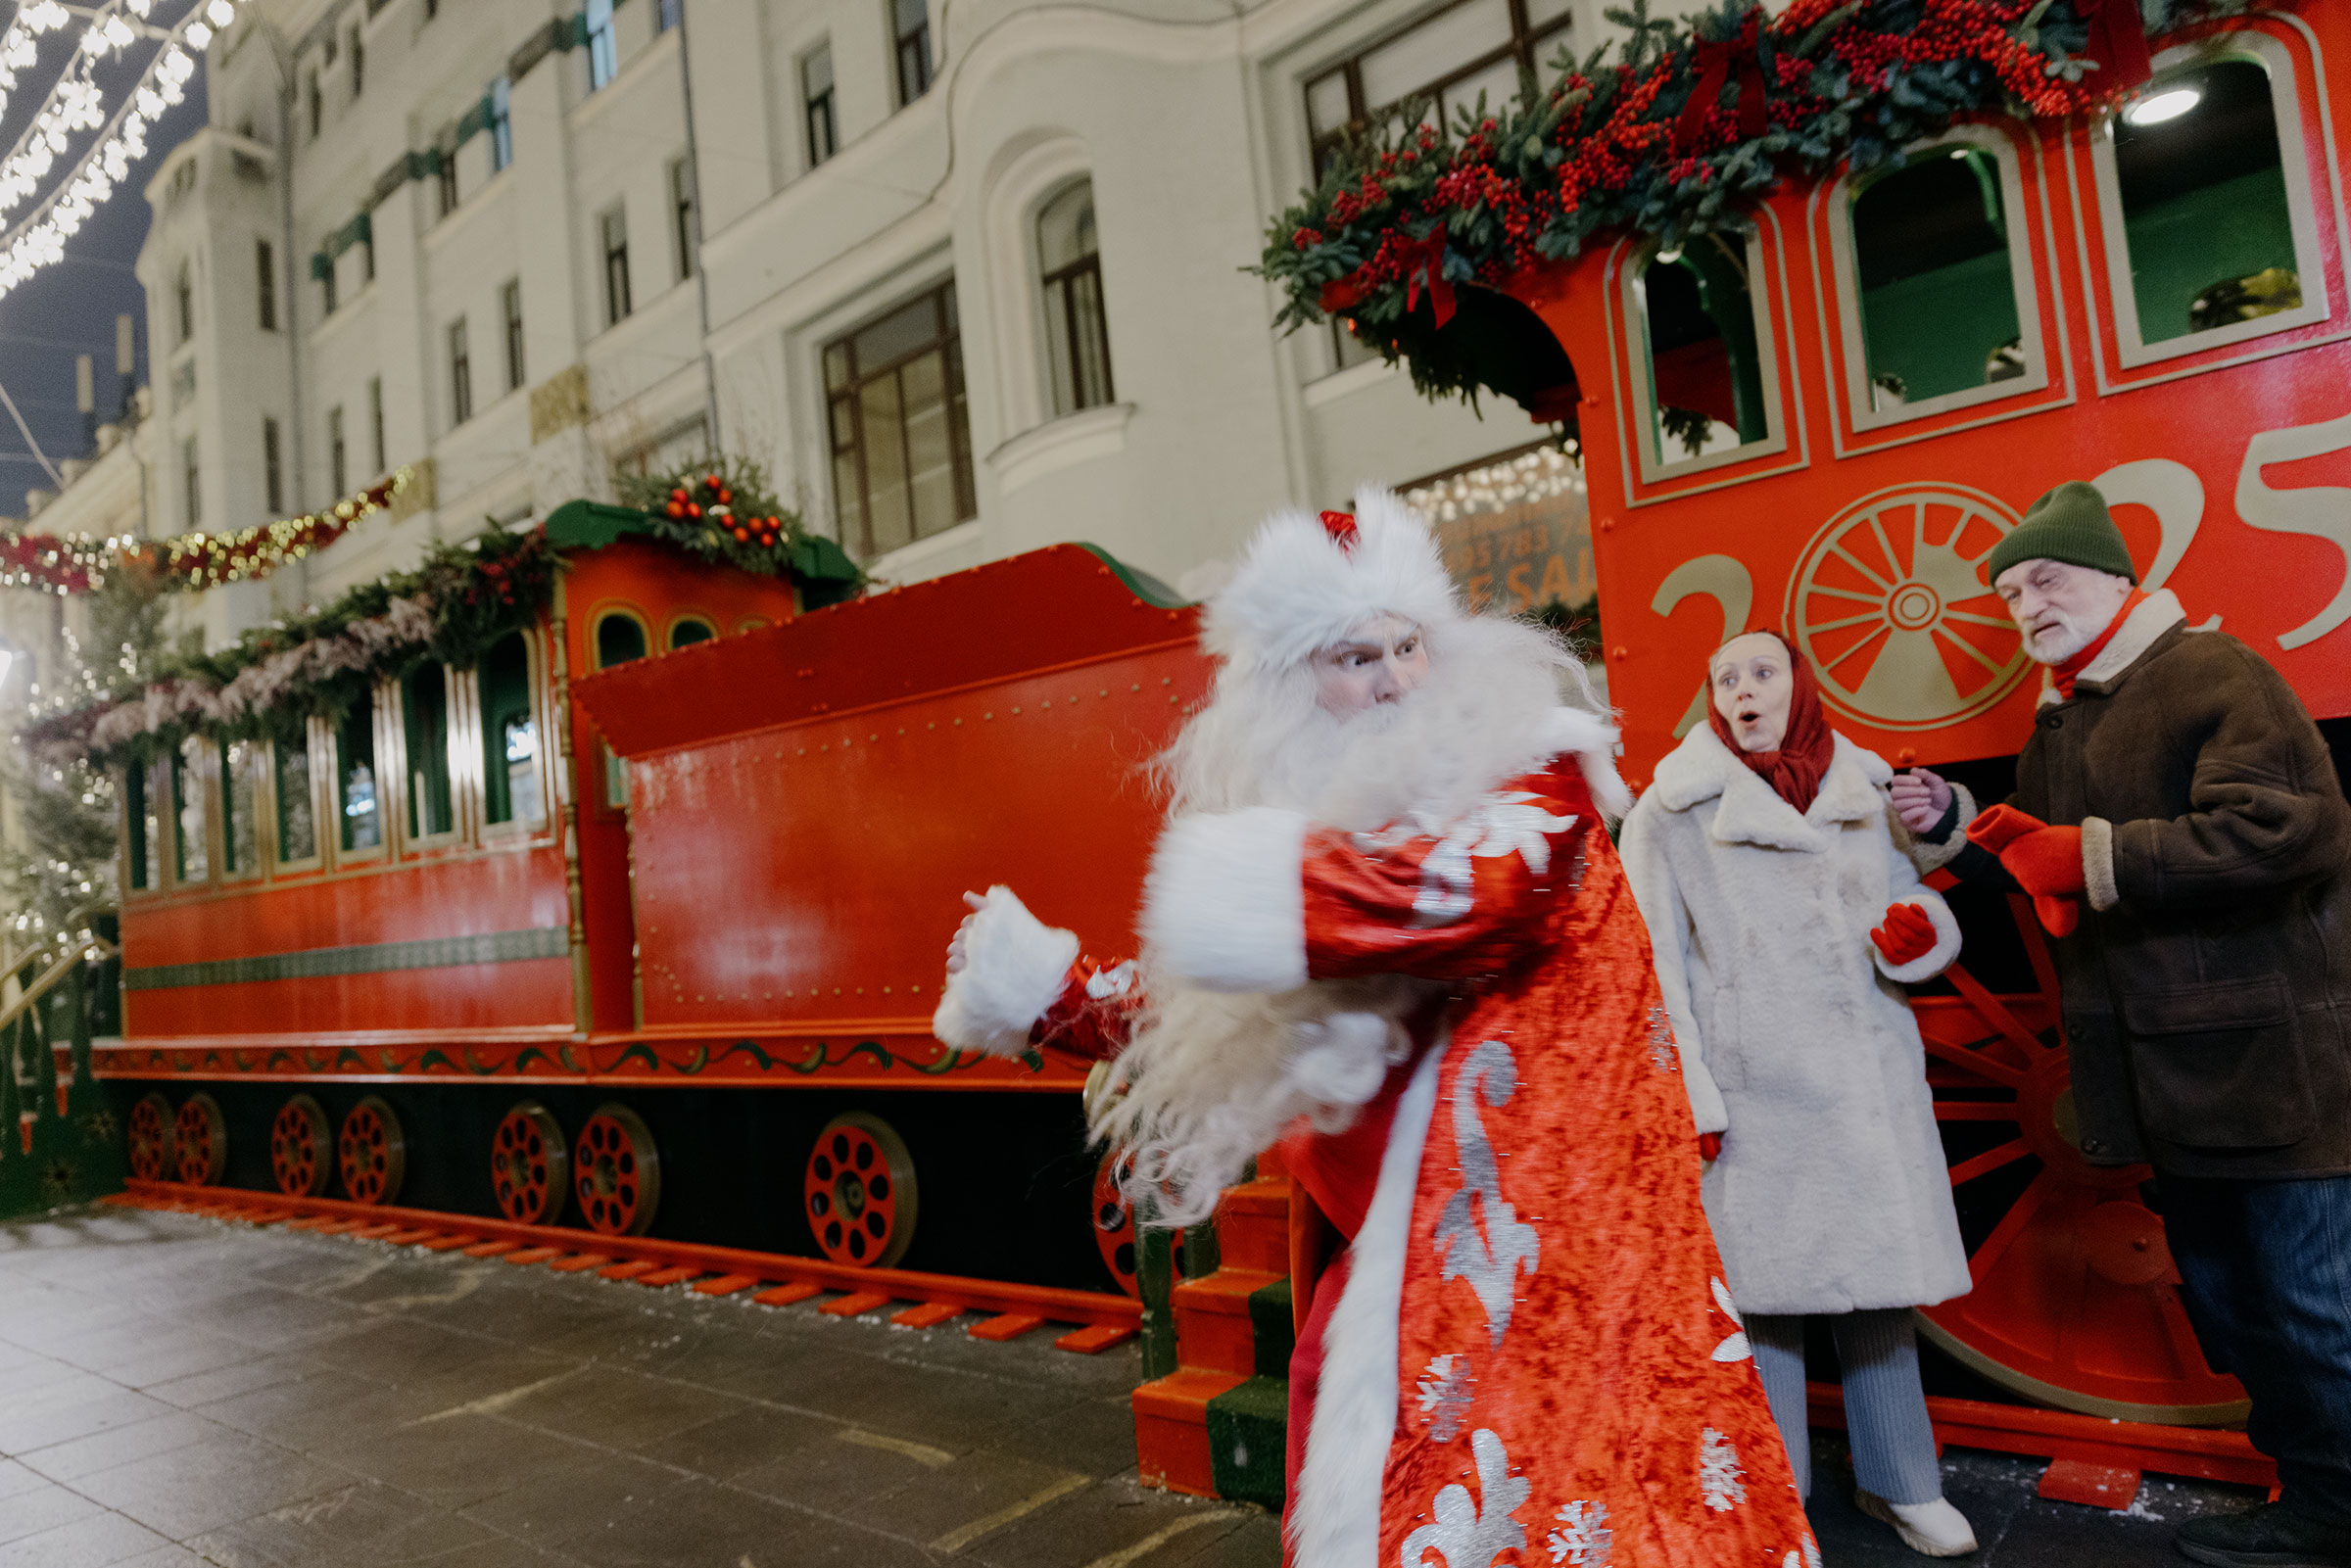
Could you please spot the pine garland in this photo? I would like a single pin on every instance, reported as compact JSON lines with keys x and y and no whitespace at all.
{"x":1410,"y":209}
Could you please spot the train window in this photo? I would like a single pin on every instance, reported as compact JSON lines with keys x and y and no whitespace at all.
{"x":2200,"y":175}
{"x":510,"y":736}
{"x":240,"y":823}
{"x":296,"y":823}
{"x":690,"y":630}
{"x":1937,"y":286}
{"x":1705,"y":371}
{"x":189,"y":863}
{"x":355,"y":778}
{"x":424,"y":721}
{"x":619,"y":638}
{"x":141,"y":789}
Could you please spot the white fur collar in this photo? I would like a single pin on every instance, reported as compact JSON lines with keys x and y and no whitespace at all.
{"x":1592,"y":739}
{"x":1703,"y":767}
{"x":2156,"y":615}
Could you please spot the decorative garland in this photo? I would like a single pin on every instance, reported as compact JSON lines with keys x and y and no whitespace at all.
{"x":1648,"y":144}
{"x":723,"y":511}
{"x":76,"y":564}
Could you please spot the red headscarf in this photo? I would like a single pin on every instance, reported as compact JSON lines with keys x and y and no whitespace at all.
{"x":1796,"y":769}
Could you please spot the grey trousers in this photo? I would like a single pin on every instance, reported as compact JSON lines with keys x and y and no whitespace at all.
{"x":1885,"y":1409}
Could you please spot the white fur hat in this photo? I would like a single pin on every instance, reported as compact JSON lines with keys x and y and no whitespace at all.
{"x":1304,"y":584}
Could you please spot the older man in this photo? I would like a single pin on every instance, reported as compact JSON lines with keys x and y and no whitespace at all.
{"x":2175,"y":786}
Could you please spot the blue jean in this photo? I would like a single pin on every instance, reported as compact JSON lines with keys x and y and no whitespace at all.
{"x":1885,"y":1409}
{"x":2266,"y":1267}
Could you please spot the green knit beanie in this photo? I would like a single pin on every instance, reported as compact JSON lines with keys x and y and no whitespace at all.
{"x":2069,"y":524}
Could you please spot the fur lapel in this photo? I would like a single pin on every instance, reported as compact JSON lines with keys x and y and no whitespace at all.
{"x":2156,"y":614}
{"x":1703,"y":767}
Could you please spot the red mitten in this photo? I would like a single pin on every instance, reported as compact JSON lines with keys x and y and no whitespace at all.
{"x":1996,"y":829}
{"x":1906,"y":936}
{"x":1709,"y":1147}
{"x":2046,"y":861}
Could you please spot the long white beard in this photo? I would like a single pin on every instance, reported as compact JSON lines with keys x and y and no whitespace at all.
{"x":1210,"y":1078}
{"x":2068,"y":636}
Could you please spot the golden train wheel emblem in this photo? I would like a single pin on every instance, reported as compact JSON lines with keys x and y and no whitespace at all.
{"x":1890,"y":605}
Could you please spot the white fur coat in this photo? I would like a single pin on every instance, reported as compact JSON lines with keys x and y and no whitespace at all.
{"x":1797,"y":1040}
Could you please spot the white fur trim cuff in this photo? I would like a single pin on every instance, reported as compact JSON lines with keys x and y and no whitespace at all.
{"x":2097,"y":863}
{"x":1225,"y":906}
{"x":1706,"y":1107}
{"x":1929,"y":857}
{"x":1015,"y":966}
{"x":1592,"y":739}
{"x":1936,"y":958}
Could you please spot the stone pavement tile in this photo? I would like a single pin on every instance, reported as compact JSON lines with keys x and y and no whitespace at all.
{"x":448,"y":1463}
{"x":736,"y":1362}
{"x":188,"y":1357}
{"x":1255,"y":1543}
{"x":358,"y":1526}
{"x":835,"y":1472}
{"x":739,"y":1441}
{"x":99,"y":1540}
{"x":389,"y":1349}
{"x":203,"y":1388}
{"x":964,"y":1501}
{"x":102,"y":1451}
{"x":312,"y":1408}
{"x":951,"y":1409}
{"x":16,"y":1479}
{"x":617,"y":1408}
{"x":63,"y":1412}
{"x":1111,"y":1517}
{"x":502,"y":1374}
{"x":1095,"y":1437}
{"x":44,"y":1507}
{"x":2065,"y":1535}
{"x":196,"y":1489}
{"x":168,"y":1557}
{"x":696,"y":1522}
{"x":586,"y":1493}
{"x":279,"y":1320}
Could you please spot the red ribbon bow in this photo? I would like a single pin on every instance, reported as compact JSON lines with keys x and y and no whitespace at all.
{"x":1715,"y":59}
{"x":2118,"y":42}
{"x":1424,"y":261}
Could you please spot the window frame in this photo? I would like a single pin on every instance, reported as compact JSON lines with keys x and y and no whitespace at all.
{"x":460,"y":373}
{"x":2024,"y":277}
{"x":266,"y":276}
{"x":2131,"y":351}
{"x":387,"y":804}
{"x":826,"y":103}
{"x":603,"y":43}
{"x":338,"y":455}
{"x":1641,"y":406}
{"x":682,"y":619}
{"x":502,"y":124}
{"x":1527,"y":38}
{"x":685,"y":215}
{"x":273,"y":479}
{"x":406,"y":820}
{"x":1066,"y":275}
{"x":510,"y":303}
{"x":274,"y":836}
{"x":918,"y":39}
{"x":183,"y":296}
{"x":950,"y":343}
{"x":176,"y":769}
{"x":619,"y":304}
{"x":257,"y":764}
{"x":135,"y":807}
{"x":534,"y":664}
{"x":192,"y":475}
{"x":375,"y":422}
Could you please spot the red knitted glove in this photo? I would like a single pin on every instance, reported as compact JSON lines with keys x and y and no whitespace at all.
{"x":2046,"y":861}
{"x":1709,"y":1147}
{"x":1906,"y":936}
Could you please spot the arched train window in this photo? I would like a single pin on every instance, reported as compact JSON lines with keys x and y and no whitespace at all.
{"x":1705,"y":371}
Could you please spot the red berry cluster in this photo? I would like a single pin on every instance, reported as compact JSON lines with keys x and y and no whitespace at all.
{"x":711,"y":501}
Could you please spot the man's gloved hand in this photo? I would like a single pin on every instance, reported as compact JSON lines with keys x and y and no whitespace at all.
{"x":1920,"y":798}
{"x":1906,"y":936}
{"x":2046,"y":861}
{"x":1709,"y":1147}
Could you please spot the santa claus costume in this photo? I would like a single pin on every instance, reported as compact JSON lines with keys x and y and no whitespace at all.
{"x":1399,"y":941}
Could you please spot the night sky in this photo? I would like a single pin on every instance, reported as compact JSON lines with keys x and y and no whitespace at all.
{"x":69,"y":309}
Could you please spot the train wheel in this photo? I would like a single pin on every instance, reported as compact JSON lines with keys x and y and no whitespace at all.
{"x":302,"y":1147}
{"x":2076,"y":1302}
{"x":200,"y":1141}
{"x":861,"y":1191}
{"x":1114,"y":1224}
{"x":530,"y":1165}
{"x":372,"y":1155}
{"x":150,"y":1135}
{"x":617,"y":1172}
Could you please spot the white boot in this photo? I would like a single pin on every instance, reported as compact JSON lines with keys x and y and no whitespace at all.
{"x":1932,"y":1529}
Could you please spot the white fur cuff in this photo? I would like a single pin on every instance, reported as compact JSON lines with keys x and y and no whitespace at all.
{"x":1593,"y":741}
{"x":1936,"y":958}
{"x":1225,"y":906}
{"x":2097,"y":863}
{"x":1706,"y":1107}
{"x":1929,"y":857}
{"x":1015,"y":966}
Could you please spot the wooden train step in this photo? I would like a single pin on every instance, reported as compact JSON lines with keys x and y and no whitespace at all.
{"x":1253,"y":1226}
{"x":1213,"y":1435}
{"x":1215,"y":1329}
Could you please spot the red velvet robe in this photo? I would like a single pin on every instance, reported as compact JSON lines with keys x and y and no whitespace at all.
{"x":1572,"y":1386}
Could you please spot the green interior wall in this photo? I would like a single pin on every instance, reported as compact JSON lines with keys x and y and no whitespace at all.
{"x":1935,"y":330}
{"x":2232,"y":228}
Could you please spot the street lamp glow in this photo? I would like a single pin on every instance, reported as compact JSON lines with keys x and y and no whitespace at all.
{"x":2157,"y":108}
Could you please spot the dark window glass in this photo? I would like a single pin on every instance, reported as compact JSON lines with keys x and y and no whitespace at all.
{"x":273,"y":472}
{"x":618,"y":639}
{"x":297,"y":828}
{"x":910,"y":24}
{"x":1938,"y":310}
{"x":240,"y":821}
{"x":318,"y":105}
{"x":355,"y":776}
{"x":688,"y":632}
{"x":1704,"y":373}
{"x":460,"y":374}
{"x":816,"y":94}
{"x":1077,"y":339}
{"x":446,"y":179}
{"x":194,"y":479}
{"x":183,"y":291}
{"x":613,"y":226}
{"x":1445,"y":60}
{"x":901,"y":437}
{"x":510,"y":300}
{"x":338,"y":468}
{"x":358,"y":62}
{"x":375,"y":418}
{"x":502,"y":124}
{"x":424,"y":717}
{"x":265,"y":284}
{"x":138,"y":814}
{"x":685,"y":233}
{"x":510,"y":736}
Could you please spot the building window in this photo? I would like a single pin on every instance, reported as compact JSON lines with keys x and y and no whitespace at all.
{"x":510,"y":301}
{"x":685,"y":225}
{"x":1445,"y":60}
{"x":1077,"y":341}
{"x":355,"y":778}
{"x":337,"y":468}
{"x":432,"y":9}
{"x":900,"y":437}
{"x":327,"y":286}
{"x":273,"y":487}
{"x":510,"y":736}
{"x":358,"y":62}
{"x":191,"y":478}
{"x":816,"y":95}
{"x":603,"y":57}
{"x":447,"y":177}
{"x":668,"y":14}
{"x":1705,"y":374}
{"x":613,"y":227}
{"x":375,"y":420}
{"x":264,"y":258}
{"x":502,"y":124}
{"x":424,"y":718}
{"x":184,"y":295}
{"x":460,"y":374}
{"x":1939,"y":308}
{"x":297,"y":822}
{"x":910,"y":24}
{"x":317,"y":103}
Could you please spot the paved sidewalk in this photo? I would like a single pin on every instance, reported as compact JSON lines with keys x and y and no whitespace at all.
{"x":175,"y":1391}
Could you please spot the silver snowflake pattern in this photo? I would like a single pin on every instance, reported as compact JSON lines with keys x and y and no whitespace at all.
{"x":1663,"y":1053}
{"x":1584,"y":1538}
{"x":1508,"y":1246}
{"x":1468,"y":1534}
{"x":1447,"y":1389}
{"x":1734,"y":1346}
{"x":1501,"y":825}
{"x":1720,"y":1480}
{"x":1809,"y":1556}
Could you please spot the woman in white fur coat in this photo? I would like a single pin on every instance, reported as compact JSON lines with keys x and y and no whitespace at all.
{"x":1785,"y":918}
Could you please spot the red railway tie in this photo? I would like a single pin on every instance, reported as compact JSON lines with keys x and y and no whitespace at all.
{"x":448,"y":1243}
{"x":660,"y":1277}
{"x":1094,"y":1338}
{"x":1007,"y":1326}
{"x":854,"y":1305}
{"x":726,"y":1284}
{"x":929,"y":1314}
{"x":580,"y":1261}
{"x":627,"y":1270}
{"x":534,"y":1254}
{"x":786,"y":1294}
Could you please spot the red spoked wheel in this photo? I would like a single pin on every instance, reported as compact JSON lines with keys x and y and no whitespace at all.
{"x":1113,"y":1224}
{"x":530,"y":1165}
{"x":860,"y":1192}
{"x":150,"y":1135}
{"x":2075,"y":1302}
{"x":200,"y":1141}
{"x":617,"y":1172}
{"x":370,"y":1153}
{"x":302,"y":1147}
